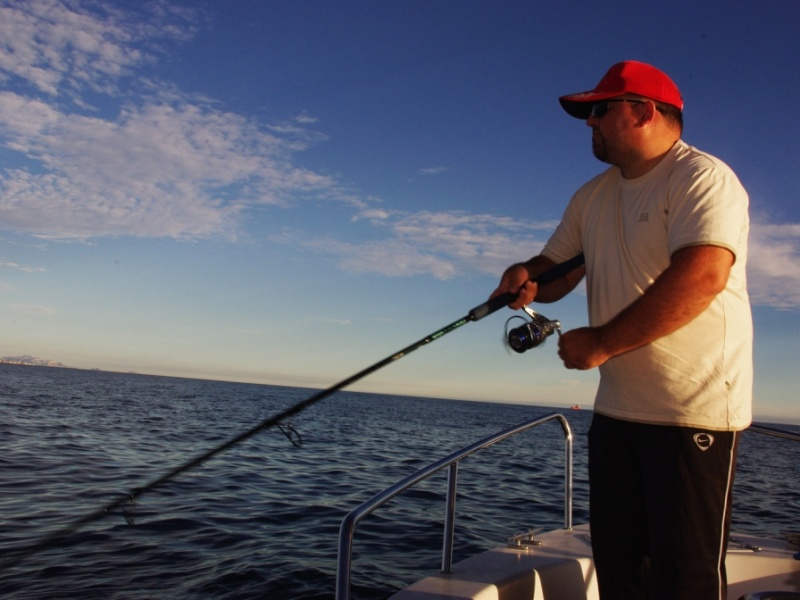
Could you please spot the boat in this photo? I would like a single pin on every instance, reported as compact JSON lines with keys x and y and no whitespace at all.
{"x":557,"y":564}
{"x":575,"y":407}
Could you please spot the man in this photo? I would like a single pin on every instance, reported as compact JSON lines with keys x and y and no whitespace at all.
{"x":664,"y":233}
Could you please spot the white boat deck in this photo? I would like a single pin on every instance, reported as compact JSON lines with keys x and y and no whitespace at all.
{"x":561,"y":568}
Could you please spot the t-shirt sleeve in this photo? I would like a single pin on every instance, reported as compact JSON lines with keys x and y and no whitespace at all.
{"x":707,"y":206}
{"x":565,"y":242}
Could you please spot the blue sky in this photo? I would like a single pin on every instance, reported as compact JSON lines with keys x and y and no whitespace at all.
{"x":286,"y":192}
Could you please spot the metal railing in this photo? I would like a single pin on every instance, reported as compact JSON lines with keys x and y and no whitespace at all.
{"x":781,"y":433}
{"x":347,"y":529}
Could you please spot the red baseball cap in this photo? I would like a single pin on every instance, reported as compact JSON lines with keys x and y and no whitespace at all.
{"x":626,"y":77}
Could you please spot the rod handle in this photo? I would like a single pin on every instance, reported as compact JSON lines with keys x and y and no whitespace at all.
{"x":498,"y":302}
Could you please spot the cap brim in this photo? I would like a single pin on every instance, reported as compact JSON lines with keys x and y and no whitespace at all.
{"x":580,"y":105}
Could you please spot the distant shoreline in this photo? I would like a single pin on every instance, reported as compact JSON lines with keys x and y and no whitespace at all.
{"x":32,"y":361}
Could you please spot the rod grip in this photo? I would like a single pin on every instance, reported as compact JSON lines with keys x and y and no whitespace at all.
{"x":498,"y":302}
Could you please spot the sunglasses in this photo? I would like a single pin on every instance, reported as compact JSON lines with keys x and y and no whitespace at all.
{"x":599,"y":109}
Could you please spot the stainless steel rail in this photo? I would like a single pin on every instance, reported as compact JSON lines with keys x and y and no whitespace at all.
{"x":781,"y":433}
{"x":347,"y":529}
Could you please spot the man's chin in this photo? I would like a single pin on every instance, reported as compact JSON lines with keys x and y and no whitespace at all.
{"x":599,"y":149}
{"x":600,"y":154}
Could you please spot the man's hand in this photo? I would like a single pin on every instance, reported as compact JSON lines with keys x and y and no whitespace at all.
{"x":516,"y":280}
{"x":582,"y":348}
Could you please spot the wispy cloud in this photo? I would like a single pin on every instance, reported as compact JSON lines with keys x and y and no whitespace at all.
{"x":441,"y":244}
{"x":305,"y":119}
{"x":4,"y":264}
{"x":164,"y":169}
{"x":774,"y":265}
{"x":161,"y":164}
{"x":58,"y":48}
{"x":432,"y":171}
{"x":448,"y":244}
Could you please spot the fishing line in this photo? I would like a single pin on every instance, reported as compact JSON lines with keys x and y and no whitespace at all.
{"x":291,"y":434}
{"x":127,"y":500}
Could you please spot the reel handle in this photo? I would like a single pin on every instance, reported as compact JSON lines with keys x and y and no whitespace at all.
{"x":557,"y":272}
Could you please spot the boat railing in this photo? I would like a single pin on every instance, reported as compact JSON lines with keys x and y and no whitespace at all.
{"x":347,"y":529}
{"x":771,"y":431}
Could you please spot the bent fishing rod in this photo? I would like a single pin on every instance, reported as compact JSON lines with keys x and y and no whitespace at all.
{"x":479,"y":312}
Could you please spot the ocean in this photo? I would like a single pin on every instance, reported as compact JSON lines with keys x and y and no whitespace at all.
{"x":261,"y":520}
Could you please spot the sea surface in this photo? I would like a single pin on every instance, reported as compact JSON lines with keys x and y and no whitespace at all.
{"x":261,"y":519}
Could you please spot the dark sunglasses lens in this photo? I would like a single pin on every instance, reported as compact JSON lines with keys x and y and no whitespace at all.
{"x":599,"y":109}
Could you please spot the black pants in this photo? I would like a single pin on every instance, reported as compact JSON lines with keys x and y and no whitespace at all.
{"x":660,"y":500}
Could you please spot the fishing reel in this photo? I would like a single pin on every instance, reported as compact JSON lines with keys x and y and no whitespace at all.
{"x":531,"y":333}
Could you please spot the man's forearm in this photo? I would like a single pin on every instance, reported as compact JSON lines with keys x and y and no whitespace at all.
{"x":683,"y":291}
{"x":686,"y":288}
{"x":557,"y":289}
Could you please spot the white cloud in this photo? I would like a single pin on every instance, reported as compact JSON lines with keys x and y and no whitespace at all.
{"x":4,"y":264}
{"x":432,"y":171}
{"x":447,"y":244}
{"x":393,"y":257}
{"x":773,"y":266}
{"x":161,"y":165}
{"x":441,"y":244}
{"x":55,"y":46}
{"x":305,"y":119}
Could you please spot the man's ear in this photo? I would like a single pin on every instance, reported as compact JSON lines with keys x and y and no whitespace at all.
{"x":647,"y":113}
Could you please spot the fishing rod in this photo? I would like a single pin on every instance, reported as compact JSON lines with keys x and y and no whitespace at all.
{"x":479,"y":312}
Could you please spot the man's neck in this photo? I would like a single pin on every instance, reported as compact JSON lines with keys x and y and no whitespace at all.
{"x":646,"y":162}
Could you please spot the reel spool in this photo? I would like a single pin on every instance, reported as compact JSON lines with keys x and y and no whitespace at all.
{"x":531,"y":333}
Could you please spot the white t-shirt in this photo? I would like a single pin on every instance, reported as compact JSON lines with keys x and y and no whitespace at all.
{"x":700,"y":375}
